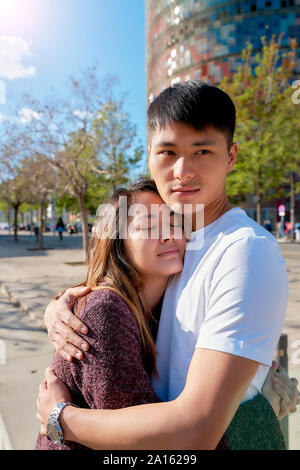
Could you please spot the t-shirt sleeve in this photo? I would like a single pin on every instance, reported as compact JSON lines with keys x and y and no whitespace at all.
{"x":247,"y":300}
{"x":112,"y":374}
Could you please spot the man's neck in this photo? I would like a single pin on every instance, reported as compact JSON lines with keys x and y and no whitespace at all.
{"x":211,"y":213}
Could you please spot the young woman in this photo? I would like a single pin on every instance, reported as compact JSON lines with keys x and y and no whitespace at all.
{"x":128,"y":276}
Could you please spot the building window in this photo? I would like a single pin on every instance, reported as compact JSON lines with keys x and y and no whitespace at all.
{"x":253,"y":7}
{"x":292,"y":3}
{"x":268,"y":4}
{"x":283,"y":4}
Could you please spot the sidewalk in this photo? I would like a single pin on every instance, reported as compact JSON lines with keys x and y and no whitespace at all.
{"x":28,"y":353}
{"x":32,"y":278}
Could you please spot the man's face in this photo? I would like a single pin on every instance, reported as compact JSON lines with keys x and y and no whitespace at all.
{"x":190,"y":166}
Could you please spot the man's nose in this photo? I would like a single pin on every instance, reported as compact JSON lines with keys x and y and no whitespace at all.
{"x":183,"y":170}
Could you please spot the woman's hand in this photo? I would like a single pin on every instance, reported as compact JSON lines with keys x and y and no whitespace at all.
{"x":61,"y":324}
{"x":51,"y":392}
{"x":281,"y":391}
{"x":287,"y":388}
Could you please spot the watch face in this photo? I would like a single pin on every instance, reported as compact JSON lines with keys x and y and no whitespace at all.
{"x":54,"y":433}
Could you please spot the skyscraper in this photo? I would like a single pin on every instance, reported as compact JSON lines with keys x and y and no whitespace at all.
{"x":203,"y":39}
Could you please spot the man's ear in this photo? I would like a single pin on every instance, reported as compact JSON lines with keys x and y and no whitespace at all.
{"x":233,"y":152}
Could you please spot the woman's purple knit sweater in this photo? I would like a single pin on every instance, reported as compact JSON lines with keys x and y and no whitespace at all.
{"x":111,"y":374}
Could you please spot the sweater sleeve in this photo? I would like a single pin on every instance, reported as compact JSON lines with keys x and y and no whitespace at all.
{"x":255,"y":427}
{"x":111,"y":374}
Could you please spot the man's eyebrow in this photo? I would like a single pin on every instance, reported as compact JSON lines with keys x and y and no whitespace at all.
{"x":198,"y":143}
{"x":165,"y":144}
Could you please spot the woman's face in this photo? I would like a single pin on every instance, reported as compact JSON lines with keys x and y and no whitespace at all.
{"x":155,"y":244}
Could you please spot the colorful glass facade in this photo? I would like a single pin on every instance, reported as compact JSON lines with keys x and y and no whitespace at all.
{"x":203,"y":39}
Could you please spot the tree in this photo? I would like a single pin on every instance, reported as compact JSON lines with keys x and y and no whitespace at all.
{"x":257,"y":90}
{"x":40,"y":176}
{"x":287,"y":148}
{"x":89,"y":139}
{"x":14,"y":191}
{"x":13,"y":185}
{"x":114,"y":135}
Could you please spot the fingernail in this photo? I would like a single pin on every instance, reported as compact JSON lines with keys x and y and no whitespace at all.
{"x":84,"y":346}
{"x":78,"y":355}
{"x":83,"y":329}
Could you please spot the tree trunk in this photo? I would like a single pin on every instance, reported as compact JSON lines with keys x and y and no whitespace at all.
{"x":84,"y":224}
{"x":16,"y":209}
{"x":8,"y":218}
{"x":41,"y":226}
{"x":293,"y":203}
{"x":258,"y":208}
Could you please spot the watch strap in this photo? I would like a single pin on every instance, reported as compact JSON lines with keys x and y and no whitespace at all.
{"x":53,"y":422}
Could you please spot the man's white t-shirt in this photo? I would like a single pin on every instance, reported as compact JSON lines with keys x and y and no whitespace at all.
{"x":231,"y":296}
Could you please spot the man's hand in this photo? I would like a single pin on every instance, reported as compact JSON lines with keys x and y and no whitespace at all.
{"x":61,"y":324}
{"x":281,"y":391}
{"x":51,"y":392}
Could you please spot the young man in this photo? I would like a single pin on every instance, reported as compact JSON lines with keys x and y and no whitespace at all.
{"x":221,"y":317}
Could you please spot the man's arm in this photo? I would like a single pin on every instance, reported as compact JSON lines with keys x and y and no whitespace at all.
{"x":61,"y":324}
{"x":195,"y":420}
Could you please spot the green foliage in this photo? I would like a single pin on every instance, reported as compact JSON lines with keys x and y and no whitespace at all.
{"x":3,"y":205}
{"x":115,"y":138}
{"x":260,"y":90}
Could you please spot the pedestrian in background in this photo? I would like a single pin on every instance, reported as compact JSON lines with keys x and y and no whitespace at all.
{"x":36,"y":232}
{"x":297,"y":231}
{"x":60,"y":227}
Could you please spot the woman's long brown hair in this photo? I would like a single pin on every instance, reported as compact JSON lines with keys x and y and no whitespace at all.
{"x":108,"y":265}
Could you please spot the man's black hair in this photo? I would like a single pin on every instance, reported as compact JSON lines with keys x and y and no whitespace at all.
{"x":195,"y":103}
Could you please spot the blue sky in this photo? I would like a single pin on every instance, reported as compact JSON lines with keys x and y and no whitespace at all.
{"x":43,"y":42}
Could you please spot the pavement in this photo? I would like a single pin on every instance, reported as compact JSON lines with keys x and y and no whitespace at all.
{"x":29,"y":278}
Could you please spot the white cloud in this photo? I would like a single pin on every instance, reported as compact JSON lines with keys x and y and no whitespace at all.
{"x":3,"y":117}
{"x":82,"y":114}
{"x":79,"y":114}
{"x":27,"y":115}
{"x":13,"y":50}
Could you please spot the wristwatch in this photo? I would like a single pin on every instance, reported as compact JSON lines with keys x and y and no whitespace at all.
{"x":54,"y":429}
